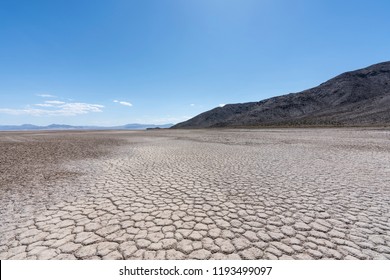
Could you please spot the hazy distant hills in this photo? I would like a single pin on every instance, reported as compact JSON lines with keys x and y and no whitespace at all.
{"x":360,"y":97}
{"x":134,"y":126}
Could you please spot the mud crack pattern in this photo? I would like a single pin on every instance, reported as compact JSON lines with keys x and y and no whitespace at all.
{"x":217,"y":194}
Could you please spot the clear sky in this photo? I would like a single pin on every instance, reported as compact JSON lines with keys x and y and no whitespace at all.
{"x":113,"y":62}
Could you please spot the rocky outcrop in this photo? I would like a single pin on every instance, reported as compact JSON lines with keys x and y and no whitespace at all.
{"x":357,"y":98}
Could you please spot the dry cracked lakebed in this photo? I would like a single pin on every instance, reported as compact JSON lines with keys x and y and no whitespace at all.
{"x":200,"y":194}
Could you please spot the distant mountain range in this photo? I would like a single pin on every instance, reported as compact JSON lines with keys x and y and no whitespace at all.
{"x":133,"y":126}
{"x":357,"y":98}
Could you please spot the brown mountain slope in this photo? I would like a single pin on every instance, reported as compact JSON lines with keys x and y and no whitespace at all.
{"x":360,"y":97}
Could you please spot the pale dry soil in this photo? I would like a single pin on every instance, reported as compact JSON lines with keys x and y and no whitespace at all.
{"x":200,"y":194}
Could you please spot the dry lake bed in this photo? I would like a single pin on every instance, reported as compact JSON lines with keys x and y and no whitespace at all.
{"x":195,"y":194}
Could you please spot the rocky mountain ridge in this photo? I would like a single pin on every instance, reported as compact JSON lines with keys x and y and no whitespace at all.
{"x":356,"y":98}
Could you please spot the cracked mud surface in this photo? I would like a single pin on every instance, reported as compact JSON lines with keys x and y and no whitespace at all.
{"x":202,"y":194}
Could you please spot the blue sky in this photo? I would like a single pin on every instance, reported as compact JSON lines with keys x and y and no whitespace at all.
{"x":153,"y":61}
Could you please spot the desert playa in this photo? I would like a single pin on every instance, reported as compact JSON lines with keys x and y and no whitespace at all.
{"x":196,"y":194}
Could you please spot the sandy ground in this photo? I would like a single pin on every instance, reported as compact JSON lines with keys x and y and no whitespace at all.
{"x":201,"y":194}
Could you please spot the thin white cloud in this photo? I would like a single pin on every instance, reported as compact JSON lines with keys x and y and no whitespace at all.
{"x":124,"y":103}
{"x":57,"y":108}
{"x":74,"y":109}
{"x":44,"y":105}
{"x":192,"y":104}
{"x":27,"y":111}
{"x":54,"y":102}
{"x":46,"y":95}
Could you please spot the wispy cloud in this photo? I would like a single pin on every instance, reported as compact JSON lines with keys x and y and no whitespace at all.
{"x":46,"y":95}
{"x":192,"y":105}
{"x":124,"y":103}
{"x":44,"y":105}
{"x":26,"y":111}
{"x":54,"y":102}
{"x":57,"y":108}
